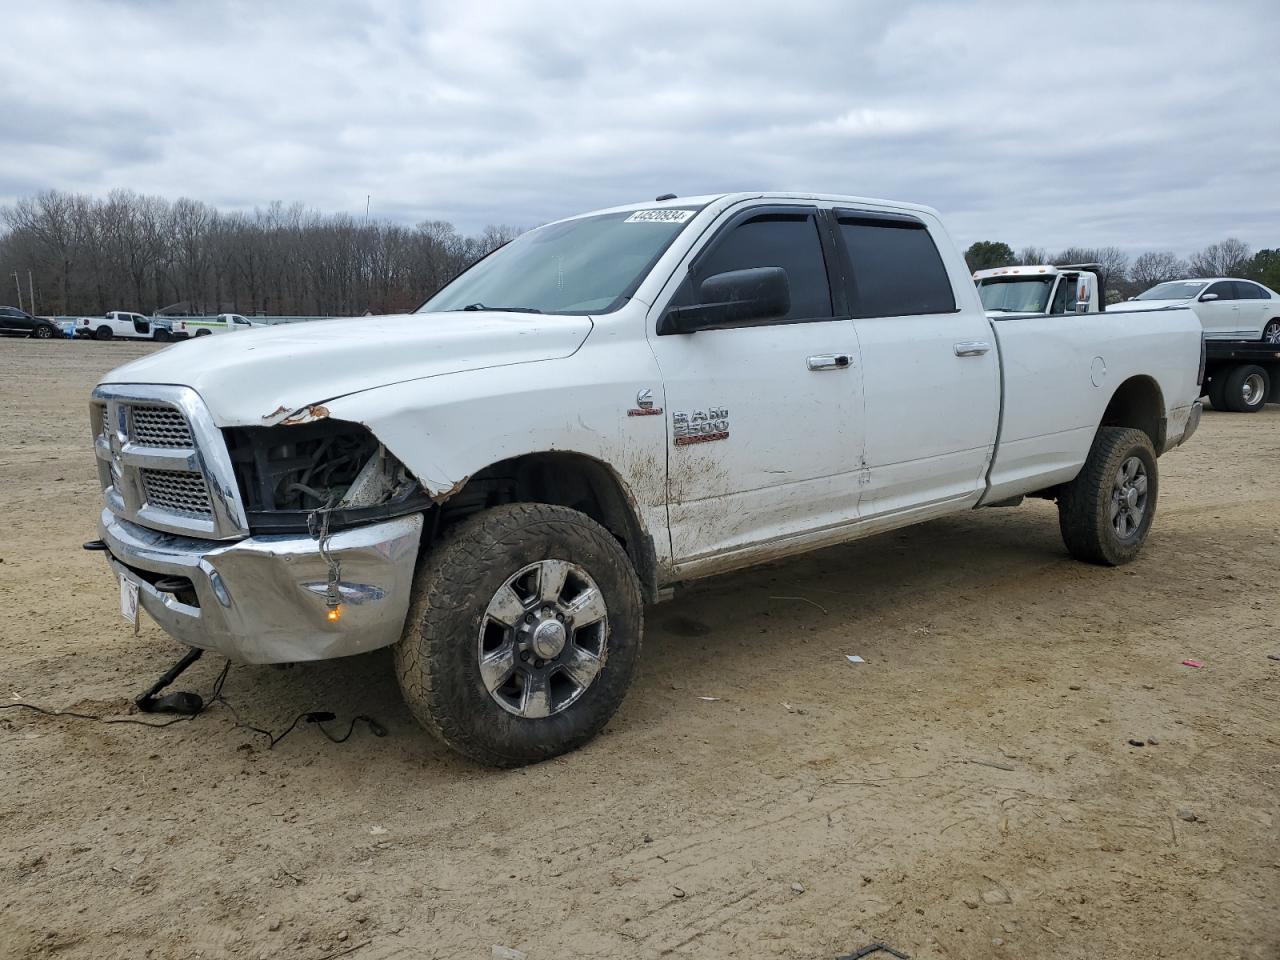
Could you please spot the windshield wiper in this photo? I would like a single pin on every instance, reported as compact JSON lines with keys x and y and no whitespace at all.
{"x":481,"y":306}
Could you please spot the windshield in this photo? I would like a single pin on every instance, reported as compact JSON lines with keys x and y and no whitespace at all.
{"x":1173,"y":290}
{"x":1016,"y":295}
{"x":586,"y":265}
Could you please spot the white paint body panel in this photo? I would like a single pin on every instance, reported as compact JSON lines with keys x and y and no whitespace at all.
{"x":909,"y":431}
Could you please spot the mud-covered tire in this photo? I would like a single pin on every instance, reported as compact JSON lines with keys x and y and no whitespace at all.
{"x":1085,"y":505}
{"x":1246,"y":388}
{"x":437,"y":659}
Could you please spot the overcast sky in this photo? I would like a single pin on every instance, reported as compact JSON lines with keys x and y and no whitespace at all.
{"x":1140,"y":125}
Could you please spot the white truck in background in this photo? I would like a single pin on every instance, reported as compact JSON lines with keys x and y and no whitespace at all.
{"x":606,"y":407}
{"x":130,"y":326}
{"x":1041,"y":289}
{"x":222,"y":323}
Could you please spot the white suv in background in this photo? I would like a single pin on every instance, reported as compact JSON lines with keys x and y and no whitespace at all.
{"x":1228,"y":309}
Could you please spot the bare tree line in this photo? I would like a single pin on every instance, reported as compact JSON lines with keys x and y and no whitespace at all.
{"x":1127,"y":276}
{"x":135,"y":252}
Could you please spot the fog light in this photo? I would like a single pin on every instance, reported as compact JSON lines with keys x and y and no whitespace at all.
{"x":219,"y":589}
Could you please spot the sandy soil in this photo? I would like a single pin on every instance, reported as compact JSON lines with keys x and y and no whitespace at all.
{"x":968,"y":792}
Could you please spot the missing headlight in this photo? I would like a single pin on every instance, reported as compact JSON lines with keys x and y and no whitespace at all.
{"x":285,"y":473}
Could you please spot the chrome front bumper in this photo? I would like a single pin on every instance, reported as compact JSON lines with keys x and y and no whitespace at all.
{"x":262,"y":600}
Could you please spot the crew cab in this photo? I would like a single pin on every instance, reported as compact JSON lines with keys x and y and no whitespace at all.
{"x":1028,"y":290}
{"x":606,"y":407}
{"x":131,"y":326}
{"x":1228,"y":308}
{"x":222,"y":323}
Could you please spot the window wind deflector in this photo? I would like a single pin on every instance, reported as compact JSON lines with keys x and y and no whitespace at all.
{"x":880,"y":218}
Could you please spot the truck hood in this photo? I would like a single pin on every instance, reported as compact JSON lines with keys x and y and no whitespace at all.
{"x":1127,"y":305}
{"x":258,"y":377}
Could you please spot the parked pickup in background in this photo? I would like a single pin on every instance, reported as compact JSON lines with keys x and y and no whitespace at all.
{"x":222,"y":323}
{"x":1024,"y":291}
{"x":606,"y":407}
{"x":131,"y":326}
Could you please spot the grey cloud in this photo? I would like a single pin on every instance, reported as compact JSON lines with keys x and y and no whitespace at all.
{"x":1140,"y":125}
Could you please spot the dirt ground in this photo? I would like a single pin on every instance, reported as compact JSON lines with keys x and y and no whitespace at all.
{"x":970,"y":791}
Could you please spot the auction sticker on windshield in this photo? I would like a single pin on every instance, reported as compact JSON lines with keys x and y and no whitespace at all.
{"x":129,"y":599}
{"x":660,"y":216}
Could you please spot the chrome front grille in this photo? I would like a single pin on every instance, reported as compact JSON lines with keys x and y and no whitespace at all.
{"x":177,"y":492}
{"x":157,"y":426}
{"x":163,"y":462}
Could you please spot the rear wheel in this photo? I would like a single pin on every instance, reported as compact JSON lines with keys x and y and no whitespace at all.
{"x":523,"y":634}
{"x":1106,"y":511}
{"x":103,"y":333}
{"x":162,"y":336}
{"x":1271,"y":332}
{"x":1218,"y":391}
{"x":202,"y":333}
{"x":1246,"y":388}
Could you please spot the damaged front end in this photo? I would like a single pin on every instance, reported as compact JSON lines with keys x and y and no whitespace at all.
{"x":293,"y":476}
{"x":267,"y":544}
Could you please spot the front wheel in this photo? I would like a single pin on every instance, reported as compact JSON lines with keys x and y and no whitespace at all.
{"x":42,"y":332}
{"x":1105,"y":513}
{"x":523,"y":634}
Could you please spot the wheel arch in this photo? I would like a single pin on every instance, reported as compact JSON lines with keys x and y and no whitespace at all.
{"x":562,"y":478}
{"x":1138,"y":403}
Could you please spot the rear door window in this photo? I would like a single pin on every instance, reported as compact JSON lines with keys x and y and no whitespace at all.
{"x":896,"y":268}
{"x":1249,"y":291}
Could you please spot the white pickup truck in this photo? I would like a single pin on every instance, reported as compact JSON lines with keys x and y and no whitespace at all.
{"x":1024,"y":291}
{"x":130,"y":326}
{"x":222,"y":323}
{"x":605,"y":407}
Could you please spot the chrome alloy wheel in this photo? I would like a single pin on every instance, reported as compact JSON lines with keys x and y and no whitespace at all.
{"x":1272,"y":332}
{"x":543,"y":639}
{"x":1129,"y":498}
{"x":1251,"y":389}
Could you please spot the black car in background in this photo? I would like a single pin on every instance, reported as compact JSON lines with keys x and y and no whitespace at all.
{"x":19,"y":323}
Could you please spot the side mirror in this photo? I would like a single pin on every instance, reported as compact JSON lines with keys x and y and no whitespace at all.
{"x":1084,"y":294}
{"x":738,"y":296}
{"x":1208,"y":296}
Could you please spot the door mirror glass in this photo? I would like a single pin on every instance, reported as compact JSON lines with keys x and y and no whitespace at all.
{"x":739,"y":296}
{"x":1084,"y":294}
{"x":1206,"y":298}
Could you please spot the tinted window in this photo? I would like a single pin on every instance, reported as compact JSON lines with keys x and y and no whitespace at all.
{"x":896,"y":268}
{"x":9,"y":312}
{"x":1225,"y":290}
{"x":789,"y":241}
{"x":1249,"y":291}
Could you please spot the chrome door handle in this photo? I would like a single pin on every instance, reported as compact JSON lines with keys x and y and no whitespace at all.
{"x":829,"y":361}
{"x":972,"y":348}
